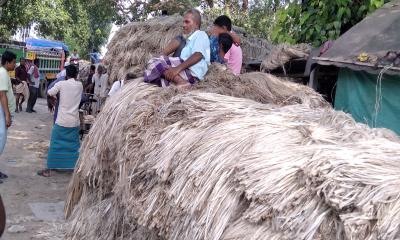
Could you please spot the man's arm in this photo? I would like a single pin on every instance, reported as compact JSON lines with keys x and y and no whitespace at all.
{"x":171,"y":73}
{"x":171,"y":47}
{"x":54,"y":90}
{"x":31,"y":70}
{"x":192,"y":60}
{"x":200,"y":50}
{"x":4,"y":105}
{"x":18,"y":74}
{"x":88,"y":87}
{"x":30,"y":73}
{"x":235,"y":38}
{"x":17,"y":79}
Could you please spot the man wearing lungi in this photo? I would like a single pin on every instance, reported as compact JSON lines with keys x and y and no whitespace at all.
{"x":64,"y":144}
{"x":193,"y":62}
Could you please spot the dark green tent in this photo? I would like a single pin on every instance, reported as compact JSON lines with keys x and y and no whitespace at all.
{"x":369,"y":89}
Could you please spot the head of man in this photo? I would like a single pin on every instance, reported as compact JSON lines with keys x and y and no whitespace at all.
{"x":71,"y":71}
{"x":22,"y":61}
{"x":191,"y":21}
{"x":75,"y":51}
{"x":92,"y":69}
{"x":225,"y":42}
{"x":8,"y":60}
{"x":130,"y":76}
{"x":101,"y":69}
{"x":222,"y":24}
{"x":36,"y":62}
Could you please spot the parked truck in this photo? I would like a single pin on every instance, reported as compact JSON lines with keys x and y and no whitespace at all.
{"x":50,"y":53}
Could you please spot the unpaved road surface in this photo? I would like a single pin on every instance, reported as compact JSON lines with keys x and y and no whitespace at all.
{"x":33,"y":203}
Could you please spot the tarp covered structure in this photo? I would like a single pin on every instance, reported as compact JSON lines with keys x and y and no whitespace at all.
{"x":33,"y":44}
{"x":356,"y":94}
{"x":375,"y":35}
{"x":369,"y":90}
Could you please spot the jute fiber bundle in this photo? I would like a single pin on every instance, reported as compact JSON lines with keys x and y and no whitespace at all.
{"x":282,"y":54}
{"x":260,"y":87}
{"x":84,"y":70}
{"x":135,"y":43}
{"x":254,"y":48}
{"x":177,"y":164}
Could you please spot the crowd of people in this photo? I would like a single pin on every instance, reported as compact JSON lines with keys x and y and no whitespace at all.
{"x":183,"y":62}
{"x":65,"y":96}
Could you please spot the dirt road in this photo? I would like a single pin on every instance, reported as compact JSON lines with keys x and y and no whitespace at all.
{"x":33,"y":203}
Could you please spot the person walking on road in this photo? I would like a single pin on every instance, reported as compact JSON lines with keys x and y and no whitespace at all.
{"x":101,"y":86}
{"x":34,"y":86}
{"x":7,"y":99}
{"x":74,"y":56}
{"x":95,"y":57}
{"x":22,"y":88}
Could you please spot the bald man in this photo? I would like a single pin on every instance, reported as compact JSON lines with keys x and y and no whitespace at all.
{"x":191,"y":65}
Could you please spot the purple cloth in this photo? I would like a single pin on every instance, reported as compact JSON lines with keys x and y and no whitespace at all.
{"x":157,"y":66}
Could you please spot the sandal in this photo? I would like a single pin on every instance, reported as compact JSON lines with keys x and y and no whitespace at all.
{"x":44,"y":173}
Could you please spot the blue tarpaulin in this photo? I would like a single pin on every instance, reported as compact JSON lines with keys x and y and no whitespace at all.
{"x":33,"y":43}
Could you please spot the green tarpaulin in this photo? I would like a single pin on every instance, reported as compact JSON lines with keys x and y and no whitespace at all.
{"x":356,"y":94}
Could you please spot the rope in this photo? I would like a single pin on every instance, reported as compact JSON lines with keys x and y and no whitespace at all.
{"x":378,"y":93}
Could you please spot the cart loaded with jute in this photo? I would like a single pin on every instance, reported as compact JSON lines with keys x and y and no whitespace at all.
{"x":234,"y":157}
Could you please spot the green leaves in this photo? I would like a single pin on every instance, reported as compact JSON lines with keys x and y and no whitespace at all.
{"x":81,"y":24}
{"x":321,"y":20}
{"x":86,"y":24}
{"x":375,"y":4}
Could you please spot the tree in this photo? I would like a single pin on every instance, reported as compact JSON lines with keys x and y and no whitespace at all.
{"x":316,"y":21}
{"x":82,"y":24}
{"x":13,"y":15}
{"x":101,"y":16}
{"x":86,"y":24}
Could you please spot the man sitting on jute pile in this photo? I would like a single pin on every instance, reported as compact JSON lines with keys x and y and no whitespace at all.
{"x":193,"y":62}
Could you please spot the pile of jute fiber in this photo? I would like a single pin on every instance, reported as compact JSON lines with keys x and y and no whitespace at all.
{"x":283,"y":53}
{"x":84,"y":70}
{"x":219,"y":163}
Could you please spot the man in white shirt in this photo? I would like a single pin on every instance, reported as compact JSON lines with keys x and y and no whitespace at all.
{"x":117,"y":86}
{"x":74,"y":56}
{"x":34,"y":86}
{"x":62,"y":74}
{"x":101,"y":86}
{"x":192,"y":64}
{"x":64,"y":145}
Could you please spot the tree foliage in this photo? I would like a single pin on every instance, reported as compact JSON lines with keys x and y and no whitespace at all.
{"x":82,"y":24}
{"x":86,"y":24}
{"x":319,"y":20}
